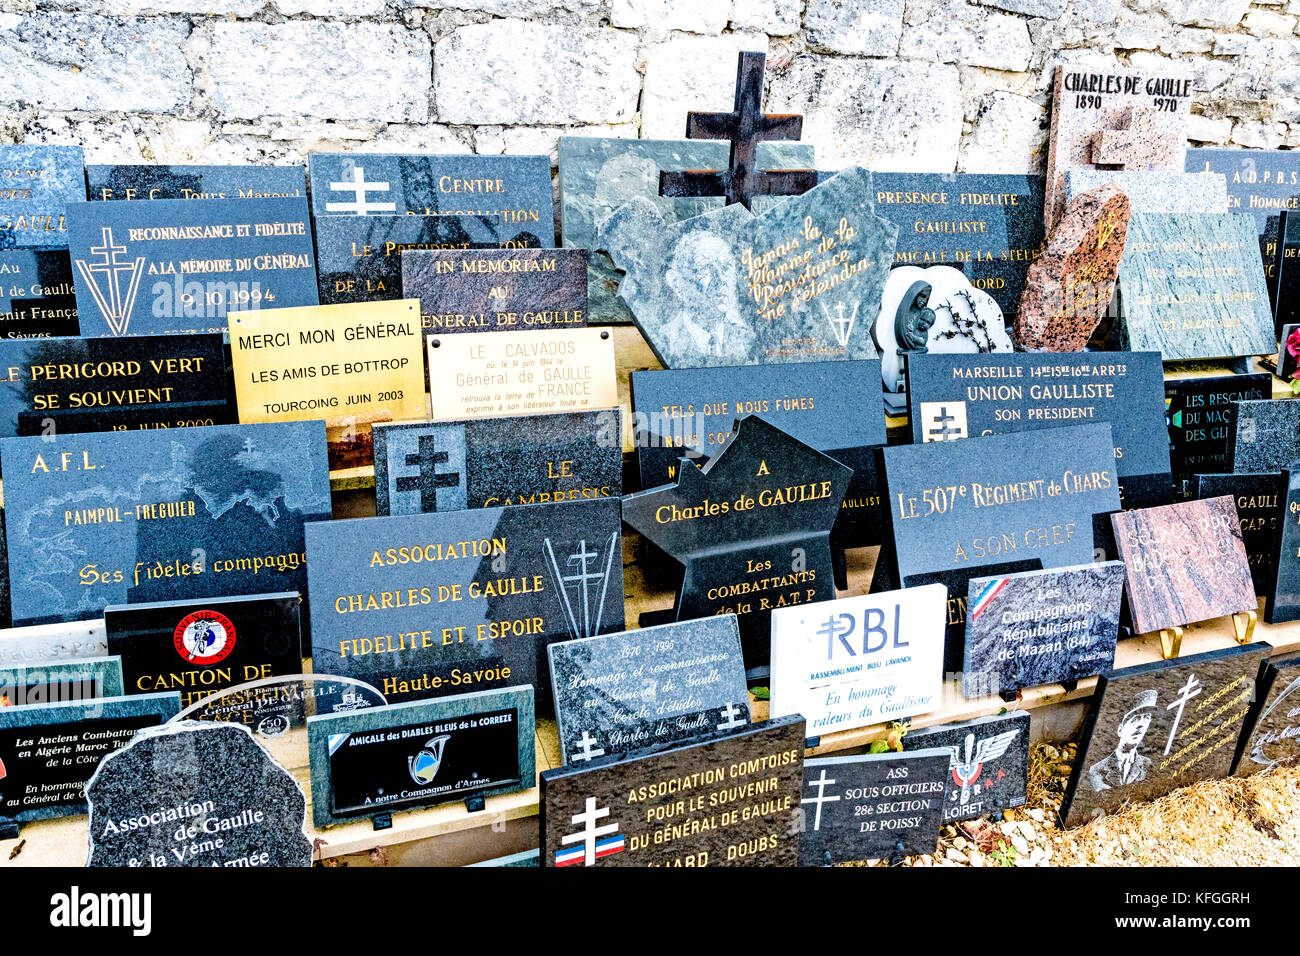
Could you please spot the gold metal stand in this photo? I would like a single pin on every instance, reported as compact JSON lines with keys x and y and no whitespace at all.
{"x":1243,"y":625}
{"x":1171,"y":641}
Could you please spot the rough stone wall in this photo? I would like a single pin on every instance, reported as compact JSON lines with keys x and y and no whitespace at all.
{"x":932,"y":85}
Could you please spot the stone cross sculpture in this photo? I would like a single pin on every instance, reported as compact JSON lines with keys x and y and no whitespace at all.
{"x":745,"y":126}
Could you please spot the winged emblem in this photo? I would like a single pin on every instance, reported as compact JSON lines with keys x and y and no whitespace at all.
{"x":966,"y":767}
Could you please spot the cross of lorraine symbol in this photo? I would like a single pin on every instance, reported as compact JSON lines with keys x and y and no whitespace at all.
{"x":583,"y":592}
{"x":943,"y":421}
{"x":841,"y":324}
{"x":114,"y":302}
{"x":358,"y":186}
{"x":589,"y":749}
{"x":733,"y":719}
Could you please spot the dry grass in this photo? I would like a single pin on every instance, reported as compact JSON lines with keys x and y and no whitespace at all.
{"x":1251,"y":821}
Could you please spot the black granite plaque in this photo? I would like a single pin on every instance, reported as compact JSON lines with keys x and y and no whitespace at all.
{"x":497,"y":290}
{"x":126,"y":181}
{"x":200,"y":648}
{"x":493,"y":462}
{"x":1263,"y":435}
{"x":827,"y":405}
{"x":1196,"y":411}
{"x":1271,"y":737}
{"x":1283,"y":600}
{"x":619,"y":693}
{"x":994,"y":506}
{"x":426,"y":605}
{"x":37,"y":295}
{"x":49,"y":751}
{"x":752,"y":528}
{"x":727,"y":799}
{"x":70,"y":385}
{"x":988,"y":763}
{"x":871,"y":806}
{"x":1160,"y":726}
{"x":1286,"y":287}
{"x":1259,"y":499}
{"x":961,"y":396}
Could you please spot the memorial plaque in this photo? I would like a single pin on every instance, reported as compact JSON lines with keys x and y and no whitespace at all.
{"x":1271,"y":736}
{"x":1283,"y":602}
{"x":129,"y":518}
{"x":524,"y":858}
{"x":988,"y":763}
{"x":1191,"y":286}
{"x":953,"y":397}
{"x":360,"y":257}
{"x":421,"y":753}
{"x":1106,"y":115}
{"x":1286,"y":288}
{"x":428,"y":605}
{"x":1259,"y":499}
{"x":497,"y":290}
{"x":799,"y":283}
{"x":179,"y":265}
{"x":872,"y":806}
{"x":493,"y":374}
{"x":60,"y":682}
{"x":827,"y":405}
{"x":37,"y":296}
{"x":494,"y":192}
{"x":494,"y":462}
{"x":620,"y":693}
{"x":37,"y":183}
{"x":1041,"y":627}
{"x":1155,"y":190}
{"x":351,"y":365}
{"x":1263,"y":435}
{"x":1288,"y":353}
{"x":140,"y":181}
{"x":49,"y":751}
{"x":1184,"y":563}
{"x":994,"y":506}
{"x":857,"y":661}
{"x":1196,"y":410}
{"x":989,"y":225}
{"x":1262,"y":182}
{"x":751,"y":528}
{"x":726,"y":799}
{"x":46,"y":643}
{"x":598,"y":174}
{"x":1160,"y":726}
{"x":195,"y":794}
{"x":71,"y":385}
{"x":201,"y":648}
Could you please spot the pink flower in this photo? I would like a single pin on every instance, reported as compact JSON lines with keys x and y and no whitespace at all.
{"x":1293,"y":343}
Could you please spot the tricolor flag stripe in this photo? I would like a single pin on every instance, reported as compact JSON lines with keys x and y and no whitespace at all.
{"x":987,"y":595}
{"x":608,"y":846}
{"x":572,"y":855}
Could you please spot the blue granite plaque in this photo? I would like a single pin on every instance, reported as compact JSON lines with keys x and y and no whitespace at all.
{"x":620,"y":693}
{"x":134,"y":517}
{"x":127,"y":181}
{"x":428,"y":605}
{"x":960,"y":396}
{"x":50,"y":751}
{"x":1261,"y":182}
{"x":989,"y":225}
{"x":70,"y":385}
{"x":995,"y":506}
{"x":494,"y":462}
{"x":37,"y":183}
{"x":421,"y":753}
{"x":826,"y":405}
{"x":599,"y":174}
{"x":360,"y":257}
{"x":512,"y":191}
{"x":60,"y":682}
{"x":178,"y":265}
{"x":37,"y":296}
{"x":1191,"y":285}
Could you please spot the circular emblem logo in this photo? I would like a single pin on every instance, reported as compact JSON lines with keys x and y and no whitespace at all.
{"x":204,"y":637}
